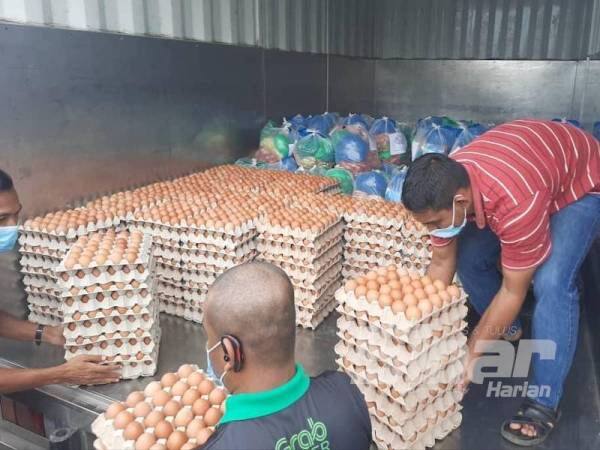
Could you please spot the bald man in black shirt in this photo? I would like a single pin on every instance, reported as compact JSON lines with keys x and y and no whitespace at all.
{"x":250,"y":323}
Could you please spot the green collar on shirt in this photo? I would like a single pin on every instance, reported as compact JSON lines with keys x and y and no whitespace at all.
{"x":264,"y":403}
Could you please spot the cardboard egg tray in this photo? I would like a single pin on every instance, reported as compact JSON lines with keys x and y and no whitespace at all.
{"x":138,"y":334}
{"x":45,"y":283}
{"x":362,"y":242}
{"x":307,"y":275}
{"x":136,"y":369}
{"x":316,"y":303}
{"x":311,"y":293}
{"x":312,"y":319}
{"x":183,"y":277}
{"x":362,"y":220}
{"x":44,"y":318}
{"x":216,"y":265}
{"x":361,"y":257}
{"x":320,"y":284}
{"x":386,"y":439}
{"x":302,"y":237}
{"x":55,"y":292}
{"x":398,"y":325}
{"x":397,"y":353}
{"x":73,"y":233}
{"x":108,"y":288}
{"x":126,"y":322}
{"x":181,"y":309}
{"x":46,"y":310}
{"x":32,"y":239}
{"x":269,"y":247}
{"x":102,"y":300}
{"x":185,"y":294}
{"x":89,"y":277}
{"x":33,"y":261}
{"x":383,"y":374}
{"x":37,"y":271}
{"x":36,"y":299}
{"x":109,"y":438}
{"x":41,"y":251}
{"x":109,"y":312}
{"x":115,"y":347}
{"x":227,"y":256}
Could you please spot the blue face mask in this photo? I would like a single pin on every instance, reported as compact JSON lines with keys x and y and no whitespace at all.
{"x":452,"y":230}
{"x":8,"y":238}
{"x":210,"y":371}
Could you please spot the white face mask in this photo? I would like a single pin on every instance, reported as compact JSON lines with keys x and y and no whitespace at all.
{"x":452,"y":230}
{"x":210,"y":371}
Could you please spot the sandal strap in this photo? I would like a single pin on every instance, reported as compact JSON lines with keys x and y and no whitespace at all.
{"x":545,"y":427}
{"x":533,"y":409}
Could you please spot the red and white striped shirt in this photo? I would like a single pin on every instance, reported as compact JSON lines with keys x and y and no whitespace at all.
{"x":521,"y":173}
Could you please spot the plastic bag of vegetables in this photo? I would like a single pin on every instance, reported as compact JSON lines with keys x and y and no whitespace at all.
{"x":393,"y":191}
{"x":274,"y":143}
{"x":434,"y":135}
{"x":371,"y":183}
{"x":344,"y":177}
{"x":356,"y":119}
{"x":314,"y":150}
{"x":390,"y":142}
{"x":251,"y":162}
{"x":351,"y":151}
{"x":468,"y":133}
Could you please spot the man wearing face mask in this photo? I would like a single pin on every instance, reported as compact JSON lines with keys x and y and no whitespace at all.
{"x":79,"y":370}
{"x":250,"y":324}
{"x":525,"y":194}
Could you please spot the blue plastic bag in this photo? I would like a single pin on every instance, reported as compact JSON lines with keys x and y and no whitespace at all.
{"x":371,"y":183}
{"x":349,"y":147}
{"x":321,"y":123}
{"x":573,"y":122}
{"x":468,"y":133}
{"x":434,"y":135}
{"x":393,"y":192}
{"x":389,"y":140}
{"x":356,"y":119}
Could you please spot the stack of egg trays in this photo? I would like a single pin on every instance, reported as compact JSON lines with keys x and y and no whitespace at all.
{"x":371,"y":242}
{"x":312,"y":260}
{"x":189,"y":259}
{"x":407,"y":371}
{"x":111,"y":311}
{"x":41,"y":253}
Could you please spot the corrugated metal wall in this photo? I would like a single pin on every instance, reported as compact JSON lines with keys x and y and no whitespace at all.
{"x":489,"y":29}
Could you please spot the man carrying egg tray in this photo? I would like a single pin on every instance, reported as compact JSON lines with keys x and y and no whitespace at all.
{"x":84,"y":369}
{"x":527,"y":194}
{"x":250,"y":325}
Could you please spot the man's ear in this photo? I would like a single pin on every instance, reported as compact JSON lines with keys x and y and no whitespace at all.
{"x":463,"y":197}
{"x":228,"y":355}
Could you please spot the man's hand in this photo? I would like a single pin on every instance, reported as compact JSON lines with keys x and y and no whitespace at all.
{"x":53,"y":335}
{"x":468,"y":367}
{"x":86,"y":369}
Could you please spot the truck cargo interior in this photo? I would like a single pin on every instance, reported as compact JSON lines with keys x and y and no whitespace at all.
{"x":101,"y":97}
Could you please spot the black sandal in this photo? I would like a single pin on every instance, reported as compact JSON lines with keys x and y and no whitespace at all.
{"x":541,"y":418}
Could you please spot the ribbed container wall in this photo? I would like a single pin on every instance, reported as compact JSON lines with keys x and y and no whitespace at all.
{"x":489,"y":29}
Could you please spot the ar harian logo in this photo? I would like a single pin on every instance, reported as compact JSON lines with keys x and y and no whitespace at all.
{"x":314,"y":438}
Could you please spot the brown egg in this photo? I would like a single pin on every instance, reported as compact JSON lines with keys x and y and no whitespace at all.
{"x":145,"y":441}
{"x":436,"y":301}
{"x":445,"y":297}
{"x":382,"y":280}
{"x":171,"y":408}
{"x":123,"y":419}
{"x":217,"y":396}
{"x":190,"y":396}
{"x":134,"y":398}
{"x":394,"y":284}
{"x":372,"y":285}
{"x":114,"y":409}
{"x":185,"y":370}
{"x":385,"y":289}
{"x":416,"y":284}
{"x":426,"y":280}
{"x":351,"y":285}
{"x":360,"y":291}
{"x":425,"y":306}
{"x":142,"y":409}
{"x":131,"y":257}
{"x":405,"y":280}
{"x":200,"y":406}
{"x":412,"y":313}
{"x":439,"y":285}
{"x":153,"y":418}
{"x":133,"y":431}
{"x":372,"y":275}
{"x":194,"y":427}
{"x":372,"y":295}
{"x":169,"y":379}
{"x":183,"y":417}
{"x":454,"y":292}
{"x":408,"y":289}
{"x":205,"y":387}
{"x":361,"y":281}
{"x":398,"y":307}
{"x":176,"y":440}
{"x":163,"y":429}
{"x":160,"y":398}
{"x":203,"y":435}
{"x":430,"y":289}
{"x":420,"y":294}
{"x":385,"y":300}
{"x":212,"y":417}
{"x":396,"y":294}
{"x":195,"y":378}
{"x":179,"y":388}
{"x":410,"y":300}
{"x":382,"y":271}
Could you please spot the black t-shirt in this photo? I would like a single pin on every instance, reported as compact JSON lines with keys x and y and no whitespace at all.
{"x":332,"y":414}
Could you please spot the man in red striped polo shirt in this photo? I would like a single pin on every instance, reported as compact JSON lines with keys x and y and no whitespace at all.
{"x":525,"y":194}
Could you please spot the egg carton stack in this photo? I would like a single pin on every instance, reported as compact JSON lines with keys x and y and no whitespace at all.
{"x":195,"y":245}
{"x":402,"y":342}
{"x":307,"y":245}
{"x":178,"y":412}
{"x":108,"y":301}
{"x":43,"y":243}
{"x":382,"y":233}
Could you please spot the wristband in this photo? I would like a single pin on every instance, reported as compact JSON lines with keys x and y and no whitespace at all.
{"x":38,"y":334}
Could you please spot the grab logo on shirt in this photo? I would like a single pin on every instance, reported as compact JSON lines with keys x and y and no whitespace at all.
{"x":313,"y":438}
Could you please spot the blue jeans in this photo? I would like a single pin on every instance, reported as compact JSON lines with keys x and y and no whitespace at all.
{"x":556,"y":310}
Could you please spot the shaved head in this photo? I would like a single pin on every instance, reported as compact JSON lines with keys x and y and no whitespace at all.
{"x":255,"y":302}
